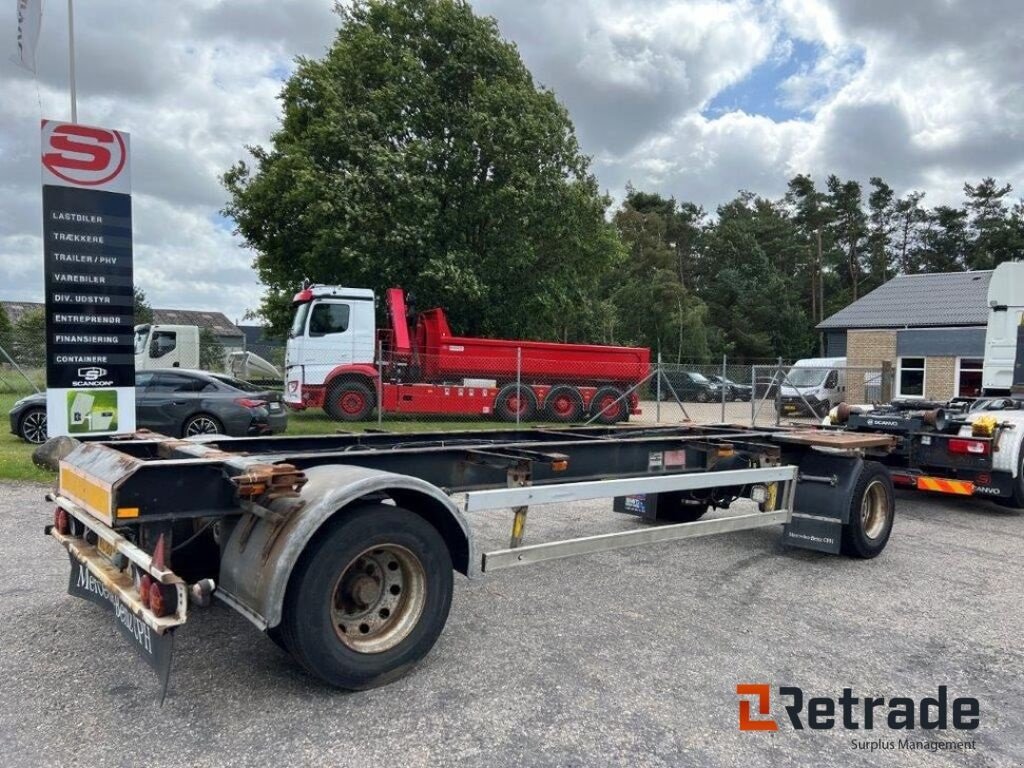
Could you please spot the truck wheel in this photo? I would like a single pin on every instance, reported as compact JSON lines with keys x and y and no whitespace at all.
{"x":369,"y":597}
{"x":515,"y":398}
{"x":872,"y":510}
{"x":349,"y":401}
{"x":609,"y":406}
{"x":563,"y":403}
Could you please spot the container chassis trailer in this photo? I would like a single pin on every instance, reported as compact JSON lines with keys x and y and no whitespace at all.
{"x":342,"y":547}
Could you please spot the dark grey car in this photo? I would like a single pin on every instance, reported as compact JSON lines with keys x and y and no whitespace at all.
{"x":180,"y":403}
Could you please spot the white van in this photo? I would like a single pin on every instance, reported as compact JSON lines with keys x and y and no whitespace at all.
{"x":816,"y":383}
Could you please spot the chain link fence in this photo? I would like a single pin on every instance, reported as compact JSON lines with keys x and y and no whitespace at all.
{"x":494,"y":384}
{"x":22,"y":361}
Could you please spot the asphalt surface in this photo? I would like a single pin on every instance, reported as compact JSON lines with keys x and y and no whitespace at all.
{"x":626,"y":658}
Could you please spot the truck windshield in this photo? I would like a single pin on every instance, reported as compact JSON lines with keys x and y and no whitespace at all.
{"x":299,"y":321}
{"x":805,"y":377}
{"x":141,"y":334}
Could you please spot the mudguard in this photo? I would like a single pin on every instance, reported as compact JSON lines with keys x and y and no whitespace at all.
{"x":821,"y":505}
{"x":261,"y":551}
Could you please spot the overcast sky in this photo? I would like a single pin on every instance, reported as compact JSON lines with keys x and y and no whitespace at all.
{"x":692,"y":98}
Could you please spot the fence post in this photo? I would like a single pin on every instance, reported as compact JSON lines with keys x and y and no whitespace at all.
{"x":778,"y":392}
{"x":519,"y":382}
{"x":657,"y":393}
{"x":380,"y":383}
{"x":723,"y":388}
{"x":885,"y":395}
{"x":753,"y":395}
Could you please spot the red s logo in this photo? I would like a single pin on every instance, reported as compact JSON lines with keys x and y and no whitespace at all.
{"x":83,"y":155}
{"x":761,"y":691}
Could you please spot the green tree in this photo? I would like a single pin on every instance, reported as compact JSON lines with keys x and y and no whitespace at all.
{"x":812,"y":215}
{"x":143,"y":310}
{"x":419,"y":152}
{"x":943,"y":242}
{"x":882,"y":226}
{"x":671,"y":319}
{"x":993,"y":236}
{"x":6,"y":329}
{"x":910,"y":216}
{"x":211,"y":351}
{"x":849,"y":225}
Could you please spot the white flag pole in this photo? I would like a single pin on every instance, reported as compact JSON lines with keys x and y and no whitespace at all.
{"x":71,"y":62}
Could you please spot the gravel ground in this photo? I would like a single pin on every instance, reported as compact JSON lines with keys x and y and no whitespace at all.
{"x":623,"y":658}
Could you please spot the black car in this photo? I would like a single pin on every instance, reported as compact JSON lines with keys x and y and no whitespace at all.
{"x":733,"y":389}
{"x":180,"y":404}
{"x":689,"y":386}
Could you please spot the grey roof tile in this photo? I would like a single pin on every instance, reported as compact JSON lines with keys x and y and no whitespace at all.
{"x":916,"y":301}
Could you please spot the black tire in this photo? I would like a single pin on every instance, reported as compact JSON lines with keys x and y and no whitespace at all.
{"x":201,"y":424}
{"x":32,"y":426}
{"x":513,"y":397}
{"x":349,"y":401}
{"x":872,"y":511}
{"x":564,"y":404}
{"x":702,"y":396}
{"x":821,"y":409}
{"x":615,"y":407}
{"x":673,"y":507}
{"x":308,"y":626}
{"x":730,"y":396}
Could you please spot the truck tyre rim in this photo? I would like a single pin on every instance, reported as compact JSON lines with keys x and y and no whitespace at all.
{"x":352,"y":402}
{"x":874,"y":509}
{"x":33,"y":427}
{"x":516,"y":405}
{"x":563,"y":405}
{"x":608,"y":405}
{"x":201,"y":425}
{"x":378,"y":598}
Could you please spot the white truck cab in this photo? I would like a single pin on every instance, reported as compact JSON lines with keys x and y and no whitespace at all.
{"x":1005,"y":310}
{"x":166,"y":346}
{"x":333,"y":326}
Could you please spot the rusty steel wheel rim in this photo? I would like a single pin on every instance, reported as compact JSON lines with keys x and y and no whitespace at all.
{"x":378,"y":598}
{"x":874,"y":509}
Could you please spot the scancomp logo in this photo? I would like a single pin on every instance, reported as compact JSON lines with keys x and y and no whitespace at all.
{"x":92,"y":376}
{"x":899,"y":718}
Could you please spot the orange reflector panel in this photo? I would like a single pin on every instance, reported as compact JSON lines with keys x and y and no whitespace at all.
{"x":941,"y":485}
{"x":127,"y":511}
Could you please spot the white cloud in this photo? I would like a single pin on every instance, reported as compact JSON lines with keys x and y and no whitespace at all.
{"x":926,"y":94}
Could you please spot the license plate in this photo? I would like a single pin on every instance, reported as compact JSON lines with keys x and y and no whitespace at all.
{"x":275,"y":406}
{"x":106,"y":549}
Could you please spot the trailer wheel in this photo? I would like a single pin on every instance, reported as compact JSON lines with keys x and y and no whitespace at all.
{"x":563,"y":403}
{"x":872,"y":511}
{"x":515,"y":398}
{"x":349,"y":401}
{"x":369,"y":598}
{"x":609,"y":406}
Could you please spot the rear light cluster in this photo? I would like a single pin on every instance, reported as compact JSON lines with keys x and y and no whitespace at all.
{"x":972,"y":447}
{"x":61,"y":521}
{"x":158,"y":598}
{"x":246,"y":402}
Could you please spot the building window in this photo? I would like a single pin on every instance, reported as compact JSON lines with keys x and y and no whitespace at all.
{"x":968,"y":376}
{"x":910,"y":379}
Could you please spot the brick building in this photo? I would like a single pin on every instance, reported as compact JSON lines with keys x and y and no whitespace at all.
{"x":930,"y":328}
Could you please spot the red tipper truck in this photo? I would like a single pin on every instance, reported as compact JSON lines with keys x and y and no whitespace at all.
{"x":337,"y":360}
